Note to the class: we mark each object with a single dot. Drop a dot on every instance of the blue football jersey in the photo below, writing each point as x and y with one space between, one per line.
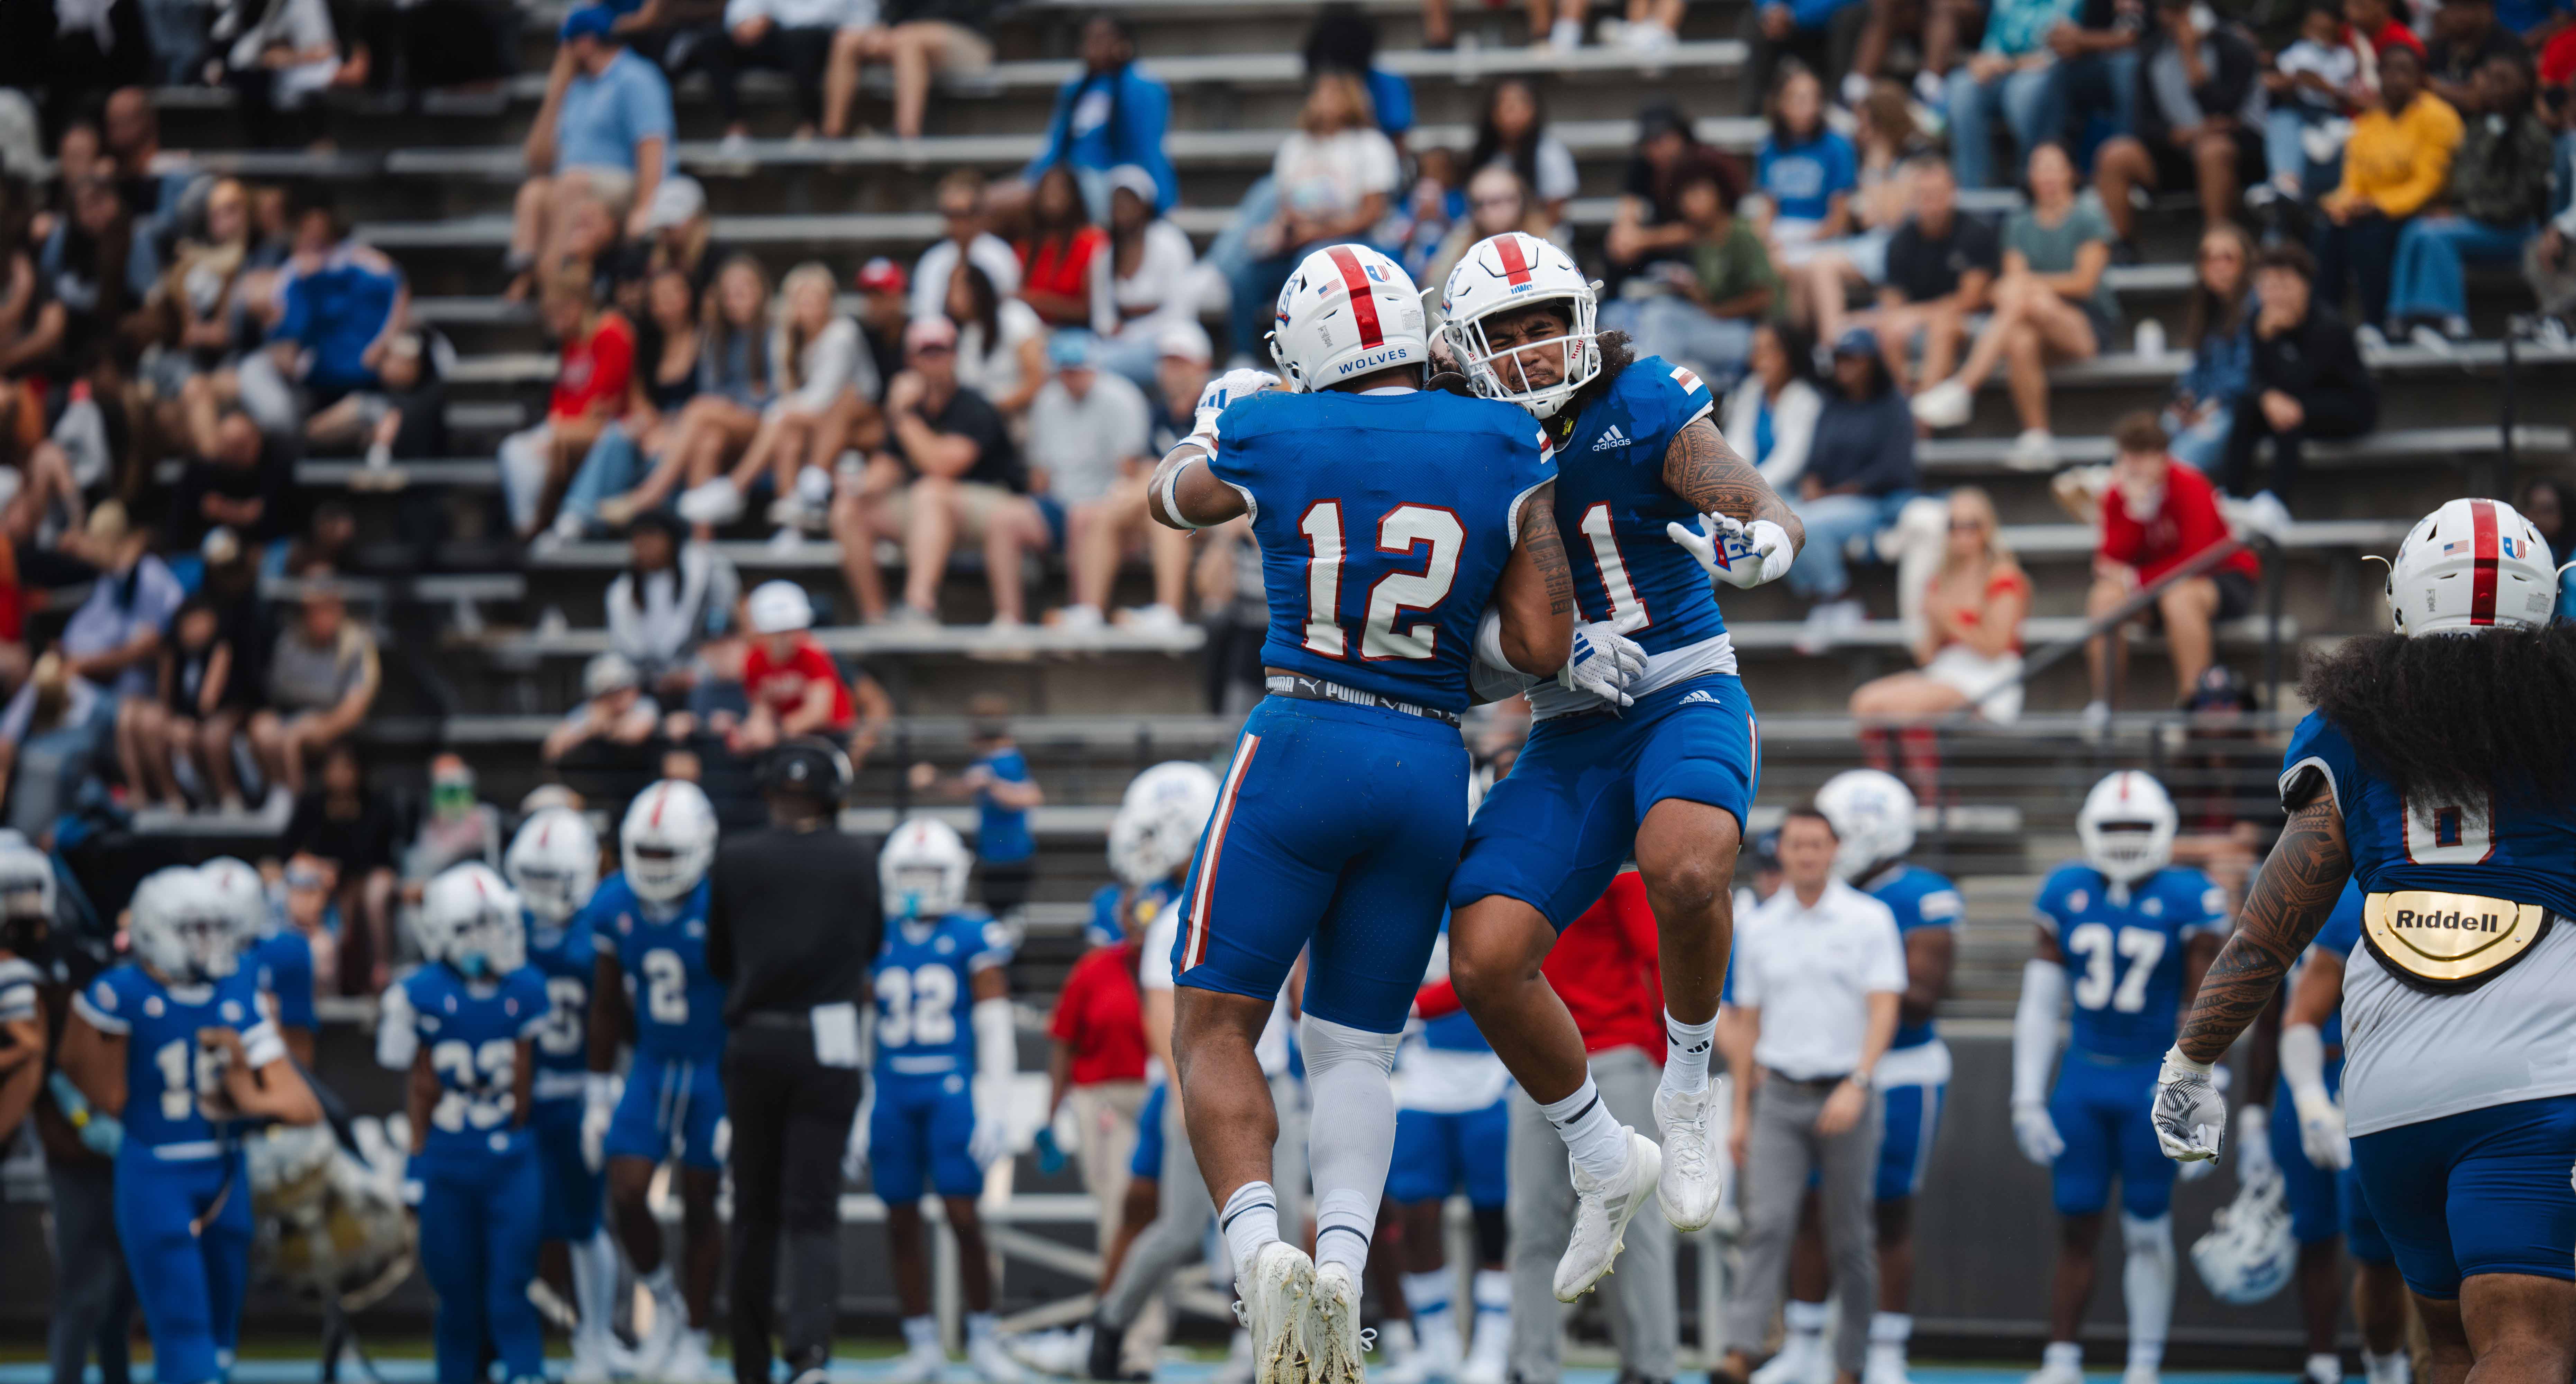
679 1007
284 962
1920 899
2124 961
471 1031
1612 505
1002 833
2509 847
923 977
166 1071
1384 522
567 958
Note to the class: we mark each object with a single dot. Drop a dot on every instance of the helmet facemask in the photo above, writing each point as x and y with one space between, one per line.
1501 373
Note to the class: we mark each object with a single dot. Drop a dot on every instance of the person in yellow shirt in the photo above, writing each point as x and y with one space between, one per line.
2397 160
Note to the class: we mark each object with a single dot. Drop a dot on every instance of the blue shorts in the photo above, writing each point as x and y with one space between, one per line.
1912 1117
920 1131
2483 1191
1554 831
572 1189
1338 826
189 1285
2361 1233
671 1106
1436 1152
2100 1107
1148 1161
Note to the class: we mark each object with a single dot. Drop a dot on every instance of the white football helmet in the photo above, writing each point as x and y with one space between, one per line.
1873 817
553 863
182 928
1507 273
26 882
2127 826
1157 828
244 893
2471 565
668 841
2248 1254
1348 310
922 871
469 918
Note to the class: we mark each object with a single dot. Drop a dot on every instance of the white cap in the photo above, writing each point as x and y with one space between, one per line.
678 198
1188 340
608 672
778 607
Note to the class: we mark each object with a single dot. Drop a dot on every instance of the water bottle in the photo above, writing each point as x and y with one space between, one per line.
2150 338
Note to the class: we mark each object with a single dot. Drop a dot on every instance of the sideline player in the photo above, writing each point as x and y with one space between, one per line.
1390 519
1666 780
939 1107
2438 770
1872 814
553 863
651 983
464 1028
279 957
2129 935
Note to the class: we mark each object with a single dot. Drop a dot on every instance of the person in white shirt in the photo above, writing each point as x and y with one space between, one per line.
1088 434
1827 957
960 198
1142 285
790 36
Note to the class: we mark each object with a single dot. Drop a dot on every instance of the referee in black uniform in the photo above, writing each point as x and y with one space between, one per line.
791 929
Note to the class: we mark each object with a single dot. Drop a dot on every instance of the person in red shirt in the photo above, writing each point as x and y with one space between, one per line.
793 686
1055 262
2158 515
591 380
1099 1064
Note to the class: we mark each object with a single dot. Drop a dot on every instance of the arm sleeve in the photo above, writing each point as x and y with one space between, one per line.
396 1037
261 1045
103 1007
997 1055
2303 1063
2043 994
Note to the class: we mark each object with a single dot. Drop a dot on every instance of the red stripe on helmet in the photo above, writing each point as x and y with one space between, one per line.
1363 303
1516 266
2482 553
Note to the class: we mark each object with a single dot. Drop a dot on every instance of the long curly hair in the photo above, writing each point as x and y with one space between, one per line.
2450 717
1616 355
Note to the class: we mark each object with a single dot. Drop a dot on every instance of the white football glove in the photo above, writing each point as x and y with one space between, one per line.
2254 1161
2189 1115
600 1091
2036 1133
2321 1135
1738 554
1224 390
991 1139
1604 659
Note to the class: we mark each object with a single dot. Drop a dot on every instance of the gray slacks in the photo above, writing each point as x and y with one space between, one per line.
1781 1149
1644 1317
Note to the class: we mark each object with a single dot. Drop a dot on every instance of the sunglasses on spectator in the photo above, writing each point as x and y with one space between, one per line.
919 351
1967 526
303 879
1507 200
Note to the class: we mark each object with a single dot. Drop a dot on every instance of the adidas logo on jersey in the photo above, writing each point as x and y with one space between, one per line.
1699 696
1610 439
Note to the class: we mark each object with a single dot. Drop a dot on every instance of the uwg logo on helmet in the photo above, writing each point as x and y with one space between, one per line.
1353 285
2469 566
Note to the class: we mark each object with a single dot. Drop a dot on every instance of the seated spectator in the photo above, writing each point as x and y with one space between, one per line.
915 38
1108 116
342 305
596 369
2544 502
2499 191
1817 34
322 677
114 638
357 831
790 36
405 417
2397 161
614 710
1886 139
2098 54
682 237
961 199
1805 171
1057 259
2312 85
278 56
1650 26
732 392
2052 304
884 306
1513 132
244 624
1941 267
1344 38
49 740
949 471
156 739
1088 458
1001 344
1647 225
1770 417
1934 27
669 342
1970 652
97 266
2203 408
1859 473
2306 380
2014 79
2465 36
1712 304
1549 26
1497 201
33 323
2371 25
2158 517
819 376
460 827
2201 125
671 597
1140 284
1333 174
604 132
794 688
234 476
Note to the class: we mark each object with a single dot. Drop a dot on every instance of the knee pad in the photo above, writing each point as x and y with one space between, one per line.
1493 1234
2151 1235
1329 1045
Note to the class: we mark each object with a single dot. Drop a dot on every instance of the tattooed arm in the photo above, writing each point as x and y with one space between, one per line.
2288 903
1536 593
1703 470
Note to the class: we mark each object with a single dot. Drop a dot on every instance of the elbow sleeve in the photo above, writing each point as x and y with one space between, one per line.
997 1055
2303 1063
2043 993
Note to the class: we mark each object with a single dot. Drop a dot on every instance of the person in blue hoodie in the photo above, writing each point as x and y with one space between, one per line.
1108 114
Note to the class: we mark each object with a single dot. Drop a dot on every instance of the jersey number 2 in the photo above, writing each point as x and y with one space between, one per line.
1404 527
666 986
2101 950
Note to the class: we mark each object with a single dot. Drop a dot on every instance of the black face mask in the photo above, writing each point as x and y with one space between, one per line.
24 933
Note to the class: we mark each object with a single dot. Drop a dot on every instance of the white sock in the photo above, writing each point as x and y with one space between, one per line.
979 1326
1493 1289
1595 1139
1346 1073
594 1282
1250 1220
2147 1283
1891 1329
1805 1322
921 1333
2063 1355
1427 1293
1686 1054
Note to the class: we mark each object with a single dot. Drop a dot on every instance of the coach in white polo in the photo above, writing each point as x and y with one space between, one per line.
1818 970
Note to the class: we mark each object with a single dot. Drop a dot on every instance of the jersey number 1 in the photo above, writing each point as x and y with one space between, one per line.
1614 568
1403 527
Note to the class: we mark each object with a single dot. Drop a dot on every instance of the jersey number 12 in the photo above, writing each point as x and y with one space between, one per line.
1402 529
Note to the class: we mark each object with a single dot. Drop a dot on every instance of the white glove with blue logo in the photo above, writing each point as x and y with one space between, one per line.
2189 1114
1224 390
600 1093
1604 660
1736 553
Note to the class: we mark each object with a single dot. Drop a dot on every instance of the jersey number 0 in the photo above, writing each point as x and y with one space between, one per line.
1400 531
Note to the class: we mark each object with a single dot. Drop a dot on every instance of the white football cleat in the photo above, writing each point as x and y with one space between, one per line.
1694 1177
991 1363
1489 1356
1802 1360
2054 1373
1885 1365
1059 1353
594 1358
2141 1374
1601 1216
656 1348
1332 1333
919 1365
1274 1295
689 1362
